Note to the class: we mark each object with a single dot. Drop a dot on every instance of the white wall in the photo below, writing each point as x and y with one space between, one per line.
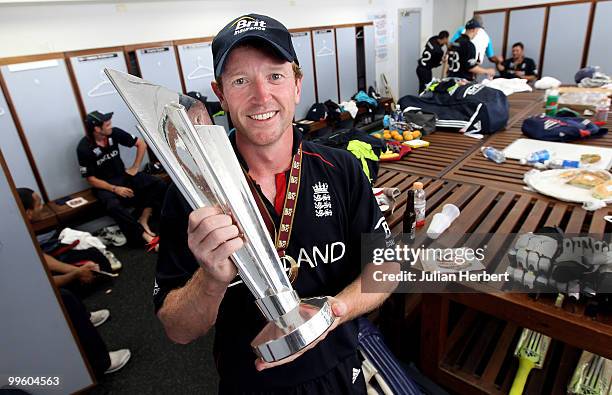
479 5
448 15
390 67
41 27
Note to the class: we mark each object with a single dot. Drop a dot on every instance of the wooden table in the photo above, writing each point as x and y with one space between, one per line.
508 175
448 149
465 360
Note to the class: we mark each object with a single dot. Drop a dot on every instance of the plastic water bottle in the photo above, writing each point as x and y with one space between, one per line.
561 164
398 115
493 154
534 157
420 203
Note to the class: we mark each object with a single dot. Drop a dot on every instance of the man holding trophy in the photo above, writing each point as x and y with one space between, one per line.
316 203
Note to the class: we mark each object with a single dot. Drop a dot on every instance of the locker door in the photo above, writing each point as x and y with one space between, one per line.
599 49
347 62
566 32
325 65
197 68
494 26
303 50
370 56
526 26
48 112
13 151
158 65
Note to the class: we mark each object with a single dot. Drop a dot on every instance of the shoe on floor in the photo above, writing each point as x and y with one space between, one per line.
118 360
115 264
99 317
112 235
116 238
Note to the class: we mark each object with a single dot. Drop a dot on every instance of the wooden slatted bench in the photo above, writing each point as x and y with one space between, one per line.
467 360
55 215
448 149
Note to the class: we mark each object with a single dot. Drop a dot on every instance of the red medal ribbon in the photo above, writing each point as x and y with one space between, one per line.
283 235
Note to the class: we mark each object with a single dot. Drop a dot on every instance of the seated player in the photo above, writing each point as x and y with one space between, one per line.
100 359
65 272
116 187
518 66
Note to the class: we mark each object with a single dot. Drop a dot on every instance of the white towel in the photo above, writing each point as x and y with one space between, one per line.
86 240
350 106
547 83
508 85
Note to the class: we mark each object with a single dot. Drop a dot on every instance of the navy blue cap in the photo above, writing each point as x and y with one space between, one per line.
472 24
96 118
252 27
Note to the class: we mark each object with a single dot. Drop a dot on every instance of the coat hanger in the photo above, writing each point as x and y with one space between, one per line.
208 71
359 34
102 88
324 51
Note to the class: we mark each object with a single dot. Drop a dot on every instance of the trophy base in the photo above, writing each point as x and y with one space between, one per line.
274 343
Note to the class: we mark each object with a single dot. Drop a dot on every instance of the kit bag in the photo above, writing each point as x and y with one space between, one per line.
424 121
470 108
561 129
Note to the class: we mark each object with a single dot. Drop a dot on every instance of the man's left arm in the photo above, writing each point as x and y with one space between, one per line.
141 149
129 140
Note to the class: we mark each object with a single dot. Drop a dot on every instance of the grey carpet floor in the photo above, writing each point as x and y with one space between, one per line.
157 366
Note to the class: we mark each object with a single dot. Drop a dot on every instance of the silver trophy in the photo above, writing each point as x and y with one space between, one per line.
200 159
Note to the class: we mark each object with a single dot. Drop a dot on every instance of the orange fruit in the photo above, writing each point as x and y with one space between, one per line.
398 137
416 134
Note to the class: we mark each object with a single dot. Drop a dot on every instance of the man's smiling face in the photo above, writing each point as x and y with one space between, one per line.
260 92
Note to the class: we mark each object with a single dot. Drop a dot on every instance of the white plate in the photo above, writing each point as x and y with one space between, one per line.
550 183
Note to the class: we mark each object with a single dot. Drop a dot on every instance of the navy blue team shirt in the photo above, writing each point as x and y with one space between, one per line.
326 244
104 163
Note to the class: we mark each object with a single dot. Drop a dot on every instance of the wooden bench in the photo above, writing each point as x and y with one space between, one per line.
475 354
55 215
314 126
59 215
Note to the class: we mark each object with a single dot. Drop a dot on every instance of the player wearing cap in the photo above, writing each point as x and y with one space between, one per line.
482 42
518 66
116 187
462 58
431 58
258 81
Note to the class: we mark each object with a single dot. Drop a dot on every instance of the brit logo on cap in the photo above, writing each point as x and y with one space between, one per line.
248 23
